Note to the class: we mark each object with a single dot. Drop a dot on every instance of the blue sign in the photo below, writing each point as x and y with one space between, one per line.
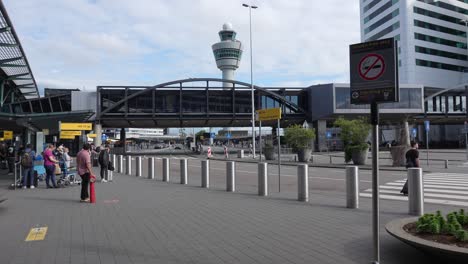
414 132
329 134
212 135
427 125
228 135
103 137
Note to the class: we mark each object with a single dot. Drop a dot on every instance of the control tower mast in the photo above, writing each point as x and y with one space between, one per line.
227 53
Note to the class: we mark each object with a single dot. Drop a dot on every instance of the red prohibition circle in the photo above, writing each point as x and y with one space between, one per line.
363 74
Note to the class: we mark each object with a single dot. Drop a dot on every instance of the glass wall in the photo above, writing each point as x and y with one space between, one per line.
220 101
142 103
109 97
194 101
410 98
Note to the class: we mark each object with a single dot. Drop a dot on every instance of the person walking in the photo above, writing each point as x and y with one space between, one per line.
226 154
412 161
104 162
83 165
27 163
49 164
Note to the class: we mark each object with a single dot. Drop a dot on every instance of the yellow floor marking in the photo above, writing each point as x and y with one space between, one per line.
37 233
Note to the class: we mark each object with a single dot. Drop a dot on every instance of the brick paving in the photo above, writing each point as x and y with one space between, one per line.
136 220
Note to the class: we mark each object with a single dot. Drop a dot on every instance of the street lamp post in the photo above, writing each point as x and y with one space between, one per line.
251 77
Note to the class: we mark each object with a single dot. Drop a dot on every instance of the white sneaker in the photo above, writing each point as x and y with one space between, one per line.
103 180
32 187
24 187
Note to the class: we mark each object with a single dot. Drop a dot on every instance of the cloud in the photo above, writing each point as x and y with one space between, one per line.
76 43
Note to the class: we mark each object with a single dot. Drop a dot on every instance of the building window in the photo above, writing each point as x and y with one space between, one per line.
382 21
436 15
385 31
371 5
440 41
441 53
227 53
438 28
447 6
380 10
438 65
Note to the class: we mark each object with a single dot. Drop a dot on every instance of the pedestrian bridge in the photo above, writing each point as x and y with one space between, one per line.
196 102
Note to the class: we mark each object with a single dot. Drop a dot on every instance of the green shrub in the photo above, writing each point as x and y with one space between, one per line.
298 137
354 134
437 224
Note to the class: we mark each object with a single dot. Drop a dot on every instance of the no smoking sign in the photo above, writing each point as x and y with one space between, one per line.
371 67
373 72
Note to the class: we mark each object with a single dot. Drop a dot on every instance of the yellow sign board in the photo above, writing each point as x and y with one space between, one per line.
70 133
37 233
76 126
66 137
269 114
92 135
7 134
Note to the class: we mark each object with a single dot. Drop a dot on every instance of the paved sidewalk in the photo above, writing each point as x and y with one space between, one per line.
137 220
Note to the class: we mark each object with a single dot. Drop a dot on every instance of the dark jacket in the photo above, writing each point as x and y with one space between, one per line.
103 158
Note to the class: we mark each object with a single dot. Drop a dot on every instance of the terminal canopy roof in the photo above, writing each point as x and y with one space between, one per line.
16 77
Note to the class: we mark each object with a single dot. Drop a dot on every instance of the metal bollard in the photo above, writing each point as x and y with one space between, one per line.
303 182
151 168
263 179
415 191
446 164
138 167
128 168
352 187
110 175
230 176
331 160
16 176
121 164
205 171
165 168
183 171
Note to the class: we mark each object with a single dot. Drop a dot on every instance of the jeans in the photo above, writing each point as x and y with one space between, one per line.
84 186
104 172
50 171
27 173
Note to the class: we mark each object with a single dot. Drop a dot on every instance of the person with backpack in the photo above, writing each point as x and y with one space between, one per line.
11 158
27 163
412 161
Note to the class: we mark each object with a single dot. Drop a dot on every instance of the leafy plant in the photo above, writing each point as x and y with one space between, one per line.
353 134
437 224
298 137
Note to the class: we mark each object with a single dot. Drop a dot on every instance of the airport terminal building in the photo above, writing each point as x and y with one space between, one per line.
212 102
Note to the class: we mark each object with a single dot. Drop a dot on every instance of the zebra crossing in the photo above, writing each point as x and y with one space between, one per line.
439 188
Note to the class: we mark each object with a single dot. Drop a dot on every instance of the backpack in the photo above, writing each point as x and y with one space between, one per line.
26 160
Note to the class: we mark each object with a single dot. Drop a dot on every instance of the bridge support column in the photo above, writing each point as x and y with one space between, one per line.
98 132
321 135
39 142
123 138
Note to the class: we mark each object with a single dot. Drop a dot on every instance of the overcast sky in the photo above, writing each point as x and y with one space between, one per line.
85 43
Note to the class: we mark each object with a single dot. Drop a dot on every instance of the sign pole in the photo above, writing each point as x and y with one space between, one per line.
279 157
260 139
375 179
427 147
466 139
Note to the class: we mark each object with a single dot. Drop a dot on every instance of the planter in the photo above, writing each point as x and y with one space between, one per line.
398 155
269 153
446 253
359 157
303 155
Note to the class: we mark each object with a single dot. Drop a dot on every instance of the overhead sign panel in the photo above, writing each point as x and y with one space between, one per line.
70 133
269 114
76 126
373 72
7 134
91 135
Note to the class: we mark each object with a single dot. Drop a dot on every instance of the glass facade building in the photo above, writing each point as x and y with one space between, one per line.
432 38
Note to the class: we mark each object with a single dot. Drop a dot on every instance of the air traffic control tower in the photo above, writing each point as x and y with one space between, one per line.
227 53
